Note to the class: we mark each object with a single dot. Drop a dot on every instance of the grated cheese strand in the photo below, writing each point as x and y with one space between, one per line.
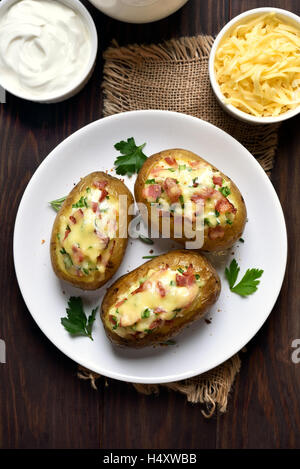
257 66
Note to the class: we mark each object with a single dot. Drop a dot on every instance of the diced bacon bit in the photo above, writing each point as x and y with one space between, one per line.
79 273
155 324
223 205
195 164
104 259
141 288
216 232
67 232
156 170
117 305
205 193
100 184
171 161
161 289
152 192
112 320
78 255
76 216
159 310
172 189
94 207
104 193
217 180
105 239
195 184
187 278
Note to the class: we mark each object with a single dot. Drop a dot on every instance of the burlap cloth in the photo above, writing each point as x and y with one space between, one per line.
174 76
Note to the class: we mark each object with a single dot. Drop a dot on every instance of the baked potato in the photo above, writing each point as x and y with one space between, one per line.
85 247
181 185
154 302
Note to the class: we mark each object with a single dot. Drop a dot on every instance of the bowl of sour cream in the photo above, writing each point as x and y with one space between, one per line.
48 48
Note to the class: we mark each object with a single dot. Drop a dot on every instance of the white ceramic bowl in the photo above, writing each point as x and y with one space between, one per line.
287 16
138 11
79 8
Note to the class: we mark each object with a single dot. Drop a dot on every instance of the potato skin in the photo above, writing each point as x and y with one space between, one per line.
209 294
232 232
115 187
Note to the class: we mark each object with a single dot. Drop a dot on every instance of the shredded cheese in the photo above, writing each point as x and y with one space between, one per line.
257 66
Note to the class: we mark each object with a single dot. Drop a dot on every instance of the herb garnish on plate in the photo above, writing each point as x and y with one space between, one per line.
76 322
249 282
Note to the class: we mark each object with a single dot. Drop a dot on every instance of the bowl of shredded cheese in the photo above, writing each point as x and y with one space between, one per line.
254 66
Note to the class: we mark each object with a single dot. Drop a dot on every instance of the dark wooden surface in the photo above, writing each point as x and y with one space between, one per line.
42 403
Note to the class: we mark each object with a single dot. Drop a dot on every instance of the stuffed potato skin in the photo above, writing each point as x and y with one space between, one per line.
205 293
98 262
218 192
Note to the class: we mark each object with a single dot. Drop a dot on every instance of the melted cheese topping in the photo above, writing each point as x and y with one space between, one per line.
192 180
87 233
147 309
258 66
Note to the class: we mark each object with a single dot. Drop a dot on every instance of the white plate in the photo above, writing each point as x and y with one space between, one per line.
234 320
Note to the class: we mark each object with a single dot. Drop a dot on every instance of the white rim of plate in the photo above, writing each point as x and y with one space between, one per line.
188 373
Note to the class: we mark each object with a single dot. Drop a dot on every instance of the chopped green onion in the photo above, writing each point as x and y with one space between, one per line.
146 313
56 204
225 191
145 239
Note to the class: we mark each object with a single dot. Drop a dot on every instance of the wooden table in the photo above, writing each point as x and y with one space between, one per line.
43 404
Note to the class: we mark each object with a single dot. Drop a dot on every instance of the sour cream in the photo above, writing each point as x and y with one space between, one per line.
45 48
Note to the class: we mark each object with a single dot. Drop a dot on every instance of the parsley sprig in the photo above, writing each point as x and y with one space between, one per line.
249 282
131 159
56 204
76 322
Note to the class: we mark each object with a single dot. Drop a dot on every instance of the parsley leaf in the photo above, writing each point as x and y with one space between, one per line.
131 159
249 282
232 273
76 322
56 204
